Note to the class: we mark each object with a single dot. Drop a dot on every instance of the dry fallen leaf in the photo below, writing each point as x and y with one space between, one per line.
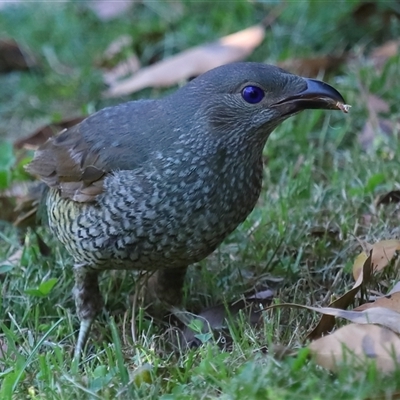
12 57
380 55
375 126
192 62
327 322
375 315
390 301
382 253
20 202
388 198
312 67
356 344
214 318
9 200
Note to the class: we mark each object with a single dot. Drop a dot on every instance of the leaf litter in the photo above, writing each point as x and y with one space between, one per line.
192 62
373 334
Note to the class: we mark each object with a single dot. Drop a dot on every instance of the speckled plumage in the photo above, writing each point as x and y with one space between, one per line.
156 217
159 184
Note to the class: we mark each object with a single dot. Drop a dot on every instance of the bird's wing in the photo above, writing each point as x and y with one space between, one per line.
116 138
68 162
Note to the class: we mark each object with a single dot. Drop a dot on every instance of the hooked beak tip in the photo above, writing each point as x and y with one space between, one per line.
317 95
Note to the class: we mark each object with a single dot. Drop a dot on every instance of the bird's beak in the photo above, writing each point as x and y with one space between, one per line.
317 95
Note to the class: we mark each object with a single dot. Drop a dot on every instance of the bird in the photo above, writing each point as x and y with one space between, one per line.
157 184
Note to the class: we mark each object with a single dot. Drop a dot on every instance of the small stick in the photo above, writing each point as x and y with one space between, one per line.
343 107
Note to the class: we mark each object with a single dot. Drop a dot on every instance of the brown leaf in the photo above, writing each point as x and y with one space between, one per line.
327 322
13 58
33 141
375 126
374 315
312 67
380 55
10 198
388 198
20 202
192 62
382 253
214 318
358 344
391 301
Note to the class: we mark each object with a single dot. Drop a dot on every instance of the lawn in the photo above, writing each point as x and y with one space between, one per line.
323 174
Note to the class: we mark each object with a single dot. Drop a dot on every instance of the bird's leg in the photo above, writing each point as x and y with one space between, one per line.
164 289
88 301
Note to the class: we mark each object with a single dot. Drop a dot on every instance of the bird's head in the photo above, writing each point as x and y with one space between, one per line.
249 100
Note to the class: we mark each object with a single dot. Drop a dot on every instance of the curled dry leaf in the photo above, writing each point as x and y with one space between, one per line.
327 322
382 253
357 344
390 301
376 315
192 62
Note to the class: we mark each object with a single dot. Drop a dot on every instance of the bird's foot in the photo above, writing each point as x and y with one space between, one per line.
163 289
88 301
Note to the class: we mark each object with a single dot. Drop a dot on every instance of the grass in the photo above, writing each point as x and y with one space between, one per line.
317 177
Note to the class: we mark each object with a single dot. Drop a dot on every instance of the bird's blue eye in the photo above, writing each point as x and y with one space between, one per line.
252 94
